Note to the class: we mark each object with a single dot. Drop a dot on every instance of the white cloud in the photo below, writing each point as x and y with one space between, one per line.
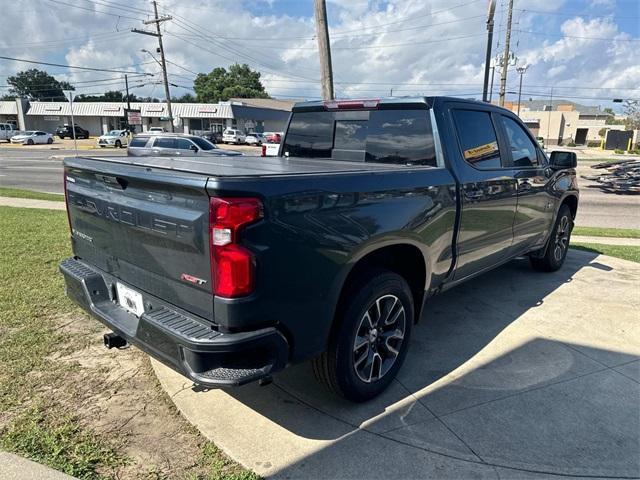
412 46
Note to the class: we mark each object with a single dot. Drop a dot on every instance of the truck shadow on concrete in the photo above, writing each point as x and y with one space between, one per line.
500 374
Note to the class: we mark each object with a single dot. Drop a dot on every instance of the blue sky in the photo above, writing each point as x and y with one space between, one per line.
582 48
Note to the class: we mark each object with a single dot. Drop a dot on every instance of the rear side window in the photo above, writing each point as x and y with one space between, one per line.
477 138
523 151
138 142
380 136
165 142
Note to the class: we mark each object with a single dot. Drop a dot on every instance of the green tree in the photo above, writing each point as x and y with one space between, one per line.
632 110
221 84
108 96
186 98
37 84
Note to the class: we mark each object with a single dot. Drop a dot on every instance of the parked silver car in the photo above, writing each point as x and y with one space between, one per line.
174 145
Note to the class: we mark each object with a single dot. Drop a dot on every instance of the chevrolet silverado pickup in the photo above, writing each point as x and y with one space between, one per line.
229 269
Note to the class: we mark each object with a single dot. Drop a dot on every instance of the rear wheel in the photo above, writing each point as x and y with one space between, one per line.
30 142
554 254
118 144
49 141
370 341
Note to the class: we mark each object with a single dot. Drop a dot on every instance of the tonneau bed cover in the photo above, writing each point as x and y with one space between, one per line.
245 166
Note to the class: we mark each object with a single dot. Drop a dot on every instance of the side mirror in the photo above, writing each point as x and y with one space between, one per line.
560 160
194 148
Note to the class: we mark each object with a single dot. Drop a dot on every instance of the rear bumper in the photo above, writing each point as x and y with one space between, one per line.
186 343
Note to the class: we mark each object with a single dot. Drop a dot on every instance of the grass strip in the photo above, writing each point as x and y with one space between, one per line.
624 252
20 193
607 232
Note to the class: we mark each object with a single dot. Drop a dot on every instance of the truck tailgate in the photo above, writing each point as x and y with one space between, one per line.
147 227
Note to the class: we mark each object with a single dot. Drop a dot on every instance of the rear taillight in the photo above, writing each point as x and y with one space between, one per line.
66 179
232 266
264 150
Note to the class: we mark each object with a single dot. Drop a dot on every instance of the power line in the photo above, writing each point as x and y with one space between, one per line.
545 34
67 66
59 2
576 14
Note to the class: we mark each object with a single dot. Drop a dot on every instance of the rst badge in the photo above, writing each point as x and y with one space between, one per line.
191 279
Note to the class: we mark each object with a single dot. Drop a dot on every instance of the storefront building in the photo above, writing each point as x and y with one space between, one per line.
248 115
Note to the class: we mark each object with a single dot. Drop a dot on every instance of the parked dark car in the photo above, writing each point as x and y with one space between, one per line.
228 271
213 137
66 132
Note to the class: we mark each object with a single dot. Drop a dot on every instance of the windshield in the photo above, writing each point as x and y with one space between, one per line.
30 132
380 136
114 133
202 143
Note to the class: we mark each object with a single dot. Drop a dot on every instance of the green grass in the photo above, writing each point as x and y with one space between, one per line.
19 193
625 252
59 442
36 420
607 232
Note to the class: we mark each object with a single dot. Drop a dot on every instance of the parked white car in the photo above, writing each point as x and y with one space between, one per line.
7 130
32 137
231 135
254 139
114 138
156 130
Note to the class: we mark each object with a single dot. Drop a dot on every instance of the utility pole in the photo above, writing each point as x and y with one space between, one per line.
322 32
126 115
521 71
158 20
505 63
487 61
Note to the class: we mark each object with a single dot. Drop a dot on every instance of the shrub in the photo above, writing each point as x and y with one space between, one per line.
571 144
617 150
593 144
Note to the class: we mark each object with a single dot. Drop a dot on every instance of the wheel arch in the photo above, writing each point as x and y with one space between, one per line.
404 258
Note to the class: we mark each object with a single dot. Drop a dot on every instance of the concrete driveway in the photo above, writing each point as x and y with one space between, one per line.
516 374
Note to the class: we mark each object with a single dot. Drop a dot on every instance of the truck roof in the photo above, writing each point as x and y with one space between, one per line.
389 102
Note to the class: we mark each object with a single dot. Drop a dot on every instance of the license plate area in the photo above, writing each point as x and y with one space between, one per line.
129 299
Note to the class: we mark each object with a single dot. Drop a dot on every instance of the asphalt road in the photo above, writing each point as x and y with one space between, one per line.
41 169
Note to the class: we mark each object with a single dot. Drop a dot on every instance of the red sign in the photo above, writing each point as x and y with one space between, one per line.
134 118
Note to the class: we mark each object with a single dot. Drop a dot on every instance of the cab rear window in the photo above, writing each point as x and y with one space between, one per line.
377 136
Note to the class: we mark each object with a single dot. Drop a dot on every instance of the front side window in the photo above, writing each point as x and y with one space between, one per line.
203 144
183 144
379 136
477 138
523 150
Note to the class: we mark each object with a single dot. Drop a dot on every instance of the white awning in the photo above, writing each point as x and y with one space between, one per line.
8 108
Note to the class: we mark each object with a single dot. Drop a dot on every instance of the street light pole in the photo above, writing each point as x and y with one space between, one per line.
487 61
521 71
73 123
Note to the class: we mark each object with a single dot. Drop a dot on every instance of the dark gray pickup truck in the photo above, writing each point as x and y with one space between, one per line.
229 269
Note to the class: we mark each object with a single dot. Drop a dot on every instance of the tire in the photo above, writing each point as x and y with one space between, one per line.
370 338
555 252
49 141
30 142
118 144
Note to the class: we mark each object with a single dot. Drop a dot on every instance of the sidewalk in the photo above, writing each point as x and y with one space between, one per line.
13 467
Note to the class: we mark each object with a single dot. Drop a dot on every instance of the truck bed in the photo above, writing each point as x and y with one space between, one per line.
245 166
